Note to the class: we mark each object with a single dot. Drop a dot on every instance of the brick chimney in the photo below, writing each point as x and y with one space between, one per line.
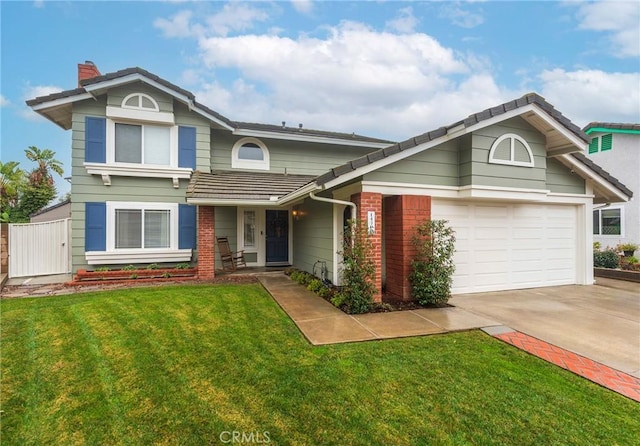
87 70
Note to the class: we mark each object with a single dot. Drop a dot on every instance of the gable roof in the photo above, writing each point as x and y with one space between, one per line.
612 127
484 118
57 108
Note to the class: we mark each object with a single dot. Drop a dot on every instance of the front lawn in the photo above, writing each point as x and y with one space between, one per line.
194 364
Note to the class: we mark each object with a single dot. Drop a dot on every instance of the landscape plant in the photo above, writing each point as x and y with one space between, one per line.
358 270
606 259
432 269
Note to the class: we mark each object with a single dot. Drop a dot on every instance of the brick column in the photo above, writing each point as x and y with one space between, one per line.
206 242
402 213
368 201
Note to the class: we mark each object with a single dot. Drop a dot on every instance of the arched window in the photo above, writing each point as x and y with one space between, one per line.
140 101
250 153
512 150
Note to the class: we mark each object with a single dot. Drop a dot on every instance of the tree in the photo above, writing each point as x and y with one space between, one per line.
12 180
22 195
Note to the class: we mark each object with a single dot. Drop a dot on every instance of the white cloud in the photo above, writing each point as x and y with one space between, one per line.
32 92
460 16
302 6
4 101
348 81
618 18
405 22
233 16
592 95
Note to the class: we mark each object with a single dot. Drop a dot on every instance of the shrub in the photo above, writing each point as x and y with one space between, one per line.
358 271
433 267
183 266
605 259
315 285
324 292
152 266
289 271
128 268
102 269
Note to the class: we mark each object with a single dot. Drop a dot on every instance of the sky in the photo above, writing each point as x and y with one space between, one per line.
387 69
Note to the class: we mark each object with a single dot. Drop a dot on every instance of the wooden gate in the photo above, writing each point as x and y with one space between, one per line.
39 249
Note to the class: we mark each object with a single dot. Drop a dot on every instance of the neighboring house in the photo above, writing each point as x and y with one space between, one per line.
157 176
616 148
57 211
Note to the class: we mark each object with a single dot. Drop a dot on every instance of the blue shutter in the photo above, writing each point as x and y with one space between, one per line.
187 147
186 226
95 140
95 227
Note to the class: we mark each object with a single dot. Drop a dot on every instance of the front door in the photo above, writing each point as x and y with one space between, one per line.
277 240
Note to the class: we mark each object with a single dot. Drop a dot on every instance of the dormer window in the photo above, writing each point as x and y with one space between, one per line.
512 150
250 153
140 101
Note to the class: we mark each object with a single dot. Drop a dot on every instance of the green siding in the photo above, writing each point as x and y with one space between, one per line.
88 188
226 225
313 236
561 180
485 174
435 166
117 94
301 158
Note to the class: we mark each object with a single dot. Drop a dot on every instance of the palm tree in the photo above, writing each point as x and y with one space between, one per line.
46 162
11 178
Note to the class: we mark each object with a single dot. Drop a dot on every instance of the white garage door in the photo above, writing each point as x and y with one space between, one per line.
510 246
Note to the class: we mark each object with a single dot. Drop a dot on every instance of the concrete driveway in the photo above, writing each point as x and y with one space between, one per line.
601 322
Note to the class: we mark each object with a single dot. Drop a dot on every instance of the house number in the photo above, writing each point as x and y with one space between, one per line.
371 222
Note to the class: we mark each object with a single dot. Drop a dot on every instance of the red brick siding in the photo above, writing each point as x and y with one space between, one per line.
87 71
206 242
402 214
368 201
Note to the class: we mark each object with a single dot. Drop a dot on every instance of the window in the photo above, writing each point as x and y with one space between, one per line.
250 153
607 221
512 150
141 226
142 144
249 229
140 101
601 143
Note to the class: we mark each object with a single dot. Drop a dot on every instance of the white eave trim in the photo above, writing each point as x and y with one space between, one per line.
61 101
309 138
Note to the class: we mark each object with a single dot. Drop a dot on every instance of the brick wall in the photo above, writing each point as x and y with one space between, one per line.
206 242
368 201
87 70
402 213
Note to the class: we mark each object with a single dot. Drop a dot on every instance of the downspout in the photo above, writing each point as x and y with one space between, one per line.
354 208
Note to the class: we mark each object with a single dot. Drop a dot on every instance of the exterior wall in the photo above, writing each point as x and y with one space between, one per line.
90 188
402 214
57 213
313 236
372 202
302 158
435 166
485 174
561 180
226 222
623 162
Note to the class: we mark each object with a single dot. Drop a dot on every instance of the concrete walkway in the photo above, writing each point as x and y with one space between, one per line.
322 323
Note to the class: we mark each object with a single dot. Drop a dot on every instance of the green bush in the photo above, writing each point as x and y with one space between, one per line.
152 266
183 266
605 259
358 272
324 291
432 269
315 285
128 268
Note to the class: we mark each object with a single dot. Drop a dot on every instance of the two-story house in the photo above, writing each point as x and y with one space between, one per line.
156 176
616 148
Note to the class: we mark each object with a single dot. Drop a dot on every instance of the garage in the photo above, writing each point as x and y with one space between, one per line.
501 246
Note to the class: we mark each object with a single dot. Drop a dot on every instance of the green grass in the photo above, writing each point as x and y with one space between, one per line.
184 364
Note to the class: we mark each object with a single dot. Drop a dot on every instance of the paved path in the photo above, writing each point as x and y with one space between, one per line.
322 323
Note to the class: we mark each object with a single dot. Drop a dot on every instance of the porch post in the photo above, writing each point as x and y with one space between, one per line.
206 242
402 214
372 202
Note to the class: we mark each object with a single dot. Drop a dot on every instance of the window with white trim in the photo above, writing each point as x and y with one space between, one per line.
142 144
512 150
140 101
250 153
141 226
608 221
